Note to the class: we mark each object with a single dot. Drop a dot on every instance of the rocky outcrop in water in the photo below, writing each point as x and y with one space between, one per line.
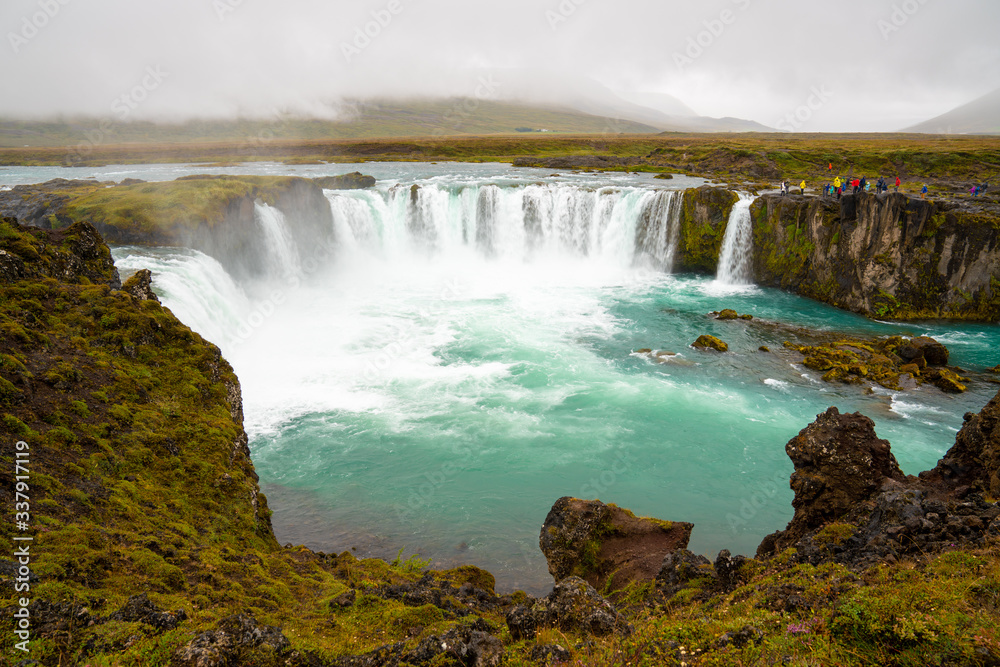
352 181
708 342
704 216
607 545
892 362
887 256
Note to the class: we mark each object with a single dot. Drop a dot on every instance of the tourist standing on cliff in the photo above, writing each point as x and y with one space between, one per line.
836 185
802 187
898 183
923 192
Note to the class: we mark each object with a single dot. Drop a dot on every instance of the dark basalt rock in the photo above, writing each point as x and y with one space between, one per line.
974 461
522 623
839 518
933 352
230 643
839 463
140 285
574 605
549 654
139 609
598 542
680 568
443 595
471 645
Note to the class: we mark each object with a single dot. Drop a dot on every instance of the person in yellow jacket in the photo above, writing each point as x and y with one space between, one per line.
802 187
836 186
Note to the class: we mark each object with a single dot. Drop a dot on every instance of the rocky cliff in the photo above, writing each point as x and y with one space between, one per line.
888 256
703 221
213 214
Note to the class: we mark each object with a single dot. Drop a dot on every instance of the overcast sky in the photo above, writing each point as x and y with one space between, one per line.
860 65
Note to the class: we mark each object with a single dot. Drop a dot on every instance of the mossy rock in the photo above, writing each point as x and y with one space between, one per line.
708 342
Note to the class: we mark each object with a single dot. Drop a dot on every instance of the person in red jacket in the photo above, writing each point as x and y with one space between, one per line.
898 182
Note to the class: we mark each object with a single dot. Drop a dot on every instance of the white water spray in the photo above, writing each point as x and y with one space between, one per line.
282 252
618 226
737 246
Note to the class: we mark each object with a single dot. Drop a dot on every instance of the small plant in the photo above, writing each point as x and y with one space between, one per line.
412 564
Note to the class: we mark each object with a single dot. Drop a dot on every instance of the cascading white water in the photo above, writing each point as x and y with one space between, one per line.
282 252
617 225
197 287
657 241
737 246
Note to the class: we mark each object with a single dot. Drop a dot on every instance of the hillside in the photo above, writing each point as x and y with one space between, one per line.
980 116
454 117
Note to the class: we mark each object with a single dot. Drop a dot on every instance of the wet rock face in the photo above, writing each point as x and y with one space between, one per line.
885 256
974 461
933 352
839 462
598 542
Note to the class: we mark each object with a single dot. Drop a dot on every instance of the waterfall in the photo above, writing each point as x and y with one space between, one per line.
282 255
620 226
737 246
197 288
659 230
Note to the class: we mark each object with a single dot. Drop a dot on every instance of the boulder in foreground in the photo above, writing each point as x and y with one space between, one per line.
605 544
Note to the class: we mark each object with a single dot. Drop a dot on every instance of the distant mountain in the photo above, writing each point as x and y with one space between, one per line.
361 120
980 116
553 90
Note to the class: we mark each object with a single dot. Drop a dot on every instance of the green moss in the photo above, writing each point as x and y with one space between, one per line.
704 215
186 203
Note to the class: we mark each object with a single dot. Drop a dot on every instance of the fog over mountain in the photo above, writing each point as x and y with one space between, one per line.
851 65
